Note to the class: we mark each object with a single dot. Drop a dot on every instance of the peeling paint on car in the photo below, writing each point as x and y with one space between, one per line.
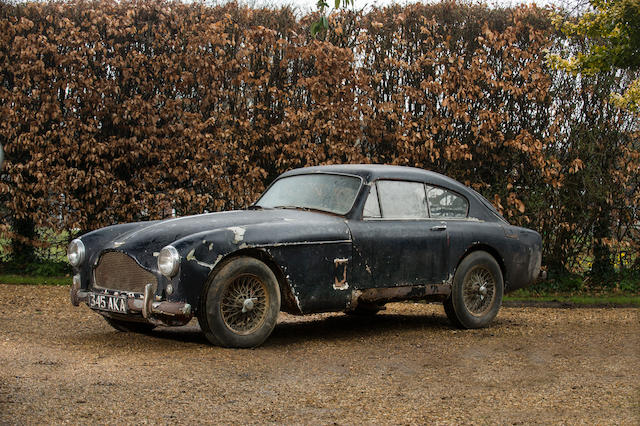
191 256
340 277
238 233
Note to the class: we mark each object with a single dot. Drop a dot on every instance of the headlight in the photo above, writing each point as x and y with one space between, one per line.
168 261
75 252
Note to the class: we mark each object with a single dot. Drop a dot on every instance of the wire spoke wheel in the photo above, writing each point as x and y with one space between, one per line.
244 303
478 290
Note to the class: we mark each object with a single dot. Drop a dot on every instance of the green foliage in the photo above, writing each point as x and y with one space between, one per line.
322 24
630 99
623 282
42 268
567 283
629 281
611 36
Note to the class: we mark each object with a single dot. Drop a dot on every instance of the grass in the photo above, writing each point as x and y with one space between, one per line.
34 280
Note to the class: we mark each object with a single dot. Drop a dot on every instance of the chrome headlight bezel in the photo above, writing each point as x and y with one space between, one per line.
76 252
168 261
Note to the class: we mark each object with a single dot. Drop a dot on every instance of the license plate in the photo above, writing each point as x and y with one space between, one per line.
107 302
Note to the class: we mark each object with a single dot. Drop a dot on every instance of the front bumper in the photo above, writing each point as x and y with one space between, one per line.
154 312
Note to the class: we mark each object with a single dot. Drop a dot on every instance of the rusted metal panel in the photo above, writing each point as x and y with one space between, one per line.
391 294
340 279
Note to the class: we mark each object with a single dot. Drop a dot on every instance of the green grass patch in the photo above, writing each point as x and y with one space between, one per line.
34 280
580 299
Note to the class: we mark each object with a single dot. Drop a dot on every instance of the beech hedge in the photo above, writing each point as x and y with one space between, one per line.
117 111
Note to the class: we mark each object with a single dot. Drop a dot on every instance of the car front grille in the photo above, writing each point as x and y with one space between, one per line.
117 271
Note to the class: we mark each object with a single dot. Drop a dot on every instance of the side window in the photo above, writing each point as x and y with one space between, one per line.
443 203
372 207
402 200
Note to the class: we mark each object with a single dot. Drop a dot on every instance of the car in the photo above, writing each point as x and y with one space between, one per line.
320 239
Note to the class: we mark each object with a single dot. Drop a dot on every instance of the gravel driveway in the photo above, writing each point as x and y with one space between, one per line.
406 365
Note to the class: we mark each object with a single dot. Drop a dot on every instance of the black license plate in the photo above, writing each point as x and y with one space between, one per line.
107 302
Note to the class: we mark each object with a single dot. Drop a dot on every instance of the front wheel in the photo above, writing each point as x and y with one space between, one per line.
476 293
240 304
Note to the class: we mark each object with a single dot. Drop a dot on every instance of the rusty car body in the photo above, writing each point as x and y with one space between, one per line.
329 238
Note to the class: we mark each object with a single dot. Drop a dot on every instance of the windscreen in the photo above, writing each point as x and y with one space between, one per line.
326 192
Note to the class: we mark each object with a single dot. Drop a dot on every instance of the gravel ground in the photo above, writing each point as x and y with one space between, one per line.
60 364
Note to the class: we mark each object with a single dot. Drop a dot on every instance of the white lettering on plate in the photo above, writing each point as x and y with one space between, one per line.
107 302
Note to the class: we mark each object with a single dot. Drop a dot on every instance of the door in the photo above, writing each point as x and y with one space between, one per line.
396 243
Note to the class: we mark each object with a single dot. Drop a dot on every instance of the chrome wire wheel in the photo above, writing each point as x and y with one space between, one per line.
244 304
478 289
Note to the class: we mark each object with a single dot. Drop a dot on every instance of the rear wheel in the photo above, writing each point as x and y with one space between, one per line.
476 293
240 304
130 326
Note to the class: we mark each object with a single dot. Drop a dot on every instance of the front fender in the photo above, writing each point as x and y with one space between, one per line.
199 255
309 264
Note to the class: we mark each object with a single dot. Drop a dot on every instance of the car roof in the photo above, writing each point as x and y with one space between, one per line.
371 172
481 207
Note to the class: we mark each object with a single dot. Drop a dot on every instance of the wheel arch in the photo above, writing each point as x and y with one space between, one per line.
287 298
493 252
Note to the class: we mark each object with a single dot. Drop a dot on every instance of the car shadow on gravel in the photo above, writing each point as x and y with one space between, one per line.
347 327
291 330
336 327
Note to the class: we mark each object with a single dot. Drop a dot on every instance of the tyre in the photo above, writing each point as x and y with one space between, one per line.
476 292
240 304
130 326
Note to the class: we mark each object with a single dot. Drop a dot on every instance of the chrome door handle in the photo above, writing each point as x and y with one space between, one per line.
441 227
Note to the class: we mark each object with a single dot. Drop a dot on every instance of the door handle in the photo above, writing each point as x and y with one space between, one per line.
441 227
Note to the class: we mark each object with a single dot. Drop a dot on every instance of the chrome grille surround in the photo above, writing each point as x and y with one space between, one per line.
118 271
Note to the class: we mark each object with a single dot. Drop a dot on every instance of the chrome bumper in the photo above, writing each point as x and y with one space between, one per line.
159 313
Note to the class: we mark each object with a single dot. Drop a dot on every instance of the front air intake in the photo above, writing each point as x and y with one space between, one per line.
118 271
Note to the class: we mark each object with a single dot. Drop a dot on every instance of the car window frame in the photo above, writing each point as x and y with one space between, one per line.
372 187
426 194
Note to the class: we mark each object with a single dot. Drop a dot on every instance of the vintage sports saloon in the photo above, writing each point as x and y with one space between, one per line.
331 238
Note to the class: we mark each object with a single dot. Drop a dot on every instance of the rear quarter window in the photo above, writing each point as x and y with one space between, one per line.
446 204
